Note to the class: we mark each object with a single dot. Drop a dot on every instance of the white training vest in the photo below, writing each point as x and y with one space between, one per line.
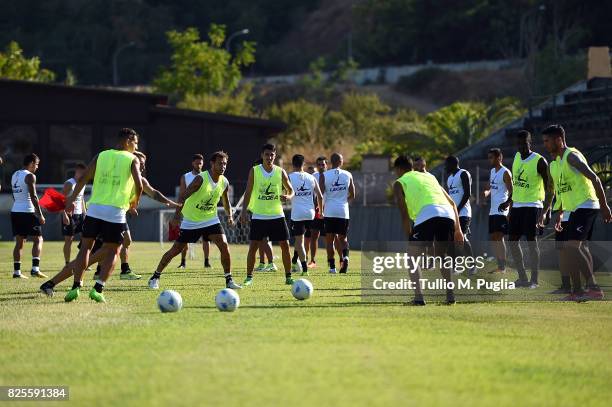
78 201
335 194
455 190
499 191
23 202
302 204
189 177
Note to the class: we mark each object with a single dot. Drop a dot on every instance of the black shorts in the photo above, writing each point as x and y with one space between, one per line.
193 235
464 222
274 229
300 227
523 221
561 236
580 224
436 229
317 224
498 223
338 226
25 224
108 232
75 226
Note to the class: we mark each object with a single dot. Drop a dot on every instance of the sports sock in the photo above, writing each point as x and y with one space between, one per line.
295 257
99 286
76 284
304 266
36 264
501 264
17 267
206 262
157 275
332 263
125 267
228 277
345 253
566 282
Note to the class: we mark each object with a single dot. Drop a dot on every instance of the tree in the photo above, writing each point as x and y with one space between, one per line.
237 103
203 67
13 65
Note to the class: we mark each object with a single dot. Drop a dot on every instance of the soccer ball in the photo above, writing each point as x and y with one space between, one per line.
169 301
302 289
227 300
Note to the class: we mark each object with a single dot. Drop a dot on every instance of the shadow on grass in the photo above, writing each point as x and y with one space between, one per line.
299 305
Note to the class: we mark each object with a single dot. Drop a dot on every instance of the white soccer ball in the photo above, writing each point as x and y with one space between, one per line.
169 301
227 300
302 289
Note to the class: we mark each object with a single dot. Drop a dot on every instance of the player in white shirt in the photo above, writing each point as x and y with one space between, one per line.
499 188
73 224
338 189
26 215
197 164
459 187
302 208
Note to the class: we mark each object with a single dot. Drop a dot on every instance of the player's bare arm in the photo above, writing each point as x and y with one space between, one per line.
228 208
466 182
156 195
549 189
400 200
30 181
585 170
289 193
247 196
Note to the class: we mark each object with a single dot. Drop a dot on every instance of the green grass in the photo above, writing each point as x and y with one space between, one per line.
332 350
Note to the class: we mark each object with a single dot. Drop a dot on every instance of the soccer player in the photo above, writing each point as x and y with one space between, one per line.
126 271
306 189
532 194
582 194
73 224
96 254
26 216
200 219
459 184
560 227
338 189
197 163
423 201
499 189
317 227
263 198
115 174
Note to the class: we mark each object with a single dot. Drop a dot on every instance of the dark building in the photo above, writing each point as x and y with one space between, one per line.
65 125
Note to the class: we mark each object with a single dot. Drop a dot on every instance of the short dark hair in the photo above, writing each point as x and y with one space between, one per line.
335 158
419 158
30 158
403 162
452 160
496 152
140 154
321 158
125 133
197 157
297 160
218 154
524 135
554 130
268 146
80 166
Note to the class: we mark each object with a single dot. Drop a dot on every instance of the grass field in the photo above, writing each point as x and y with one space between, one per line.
332 350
